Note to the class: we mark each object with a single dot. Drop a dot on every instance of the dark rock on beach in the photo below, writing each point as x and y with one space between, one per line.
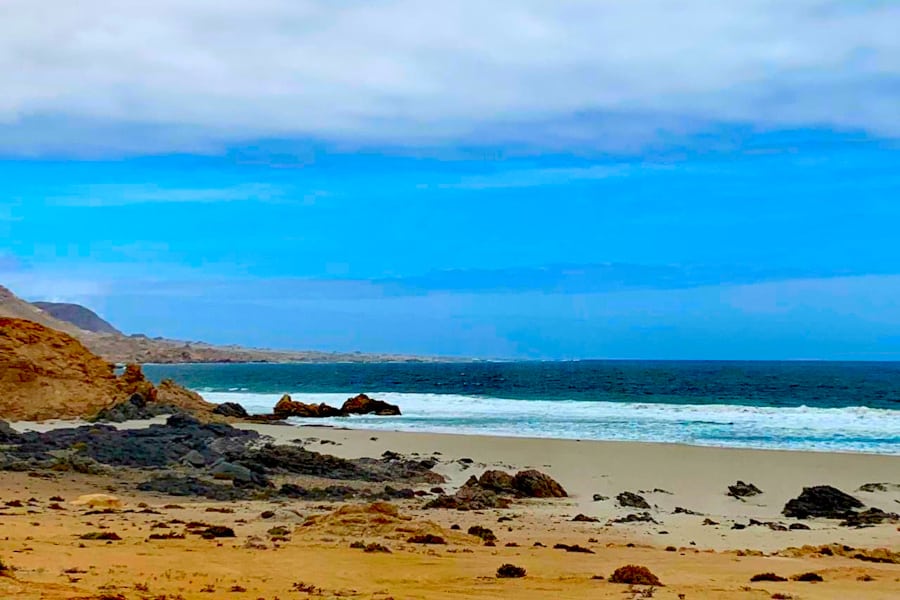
632 500
742 490
231 409
534 484
821 501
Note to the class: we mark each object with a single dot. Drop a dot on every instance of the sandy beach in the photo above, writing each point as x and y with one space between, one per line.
311 555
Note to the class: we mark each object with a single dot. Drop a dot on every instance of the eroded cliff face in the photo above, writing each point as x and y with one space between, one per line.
48 374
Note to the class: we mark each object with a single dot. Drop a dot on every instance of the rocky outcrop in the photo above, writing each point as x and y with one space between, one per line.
48 374
358 405
215 460
493 488
821 501
363 405
287 407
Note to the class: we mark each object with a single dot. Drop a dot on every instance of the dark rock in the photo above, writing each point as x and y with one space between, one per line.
191 486
799 527
331 493
880 487
739 526
743 490
631 500
869 518
7 433
136 408
286 407
576 548
821 501
684 511
771 577
534 484
194 459
708 521
482 532
580 518
808 577
427 538
216 531
363 405
231 409
500 482
600 498
633 518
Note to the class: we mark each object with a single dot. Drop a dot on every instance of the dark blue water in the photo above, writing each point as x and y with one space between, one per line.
774 384
852 407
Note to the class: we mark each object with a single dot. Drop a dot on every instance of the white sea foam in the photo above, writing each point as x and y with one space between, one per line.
854 429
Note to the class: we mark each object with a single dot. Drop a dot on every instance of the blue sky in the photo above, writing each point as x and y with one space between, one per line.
581 179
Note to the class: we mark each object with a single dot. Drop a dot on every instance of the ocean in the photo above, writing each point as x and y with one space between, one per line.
822 406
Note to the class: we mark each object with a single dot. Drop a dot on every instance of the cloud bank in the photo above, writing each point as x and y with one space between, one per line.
137 77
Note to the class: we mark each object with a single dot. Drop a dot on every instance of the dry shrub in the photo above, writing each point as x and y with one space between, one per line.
509 571
635 575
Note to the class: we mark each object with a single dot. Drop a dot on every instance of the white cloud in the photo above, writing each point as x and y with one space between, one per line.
190 75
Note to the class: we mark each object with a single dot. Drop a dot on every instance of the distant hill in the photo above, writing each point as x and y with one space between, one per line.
13 307
106 341
79 316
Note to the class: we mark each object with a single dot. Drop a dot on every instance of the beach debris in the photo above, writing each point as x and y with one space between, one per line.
98 501
821 501
771 577
632 500
809 577
508 571
656 491
741 490
635 575
600 497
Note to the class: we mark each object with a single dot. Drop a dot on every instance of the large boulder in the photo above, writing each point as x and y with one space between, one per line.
287 407
821 501
534 484
497 481
363 405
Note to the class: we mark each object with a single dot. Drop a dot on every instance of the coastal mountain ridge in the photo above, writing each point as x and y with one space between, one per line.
78 315
114 346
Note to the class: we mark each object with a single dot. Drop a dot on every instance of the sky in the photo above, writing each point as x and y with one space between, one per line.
538 180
